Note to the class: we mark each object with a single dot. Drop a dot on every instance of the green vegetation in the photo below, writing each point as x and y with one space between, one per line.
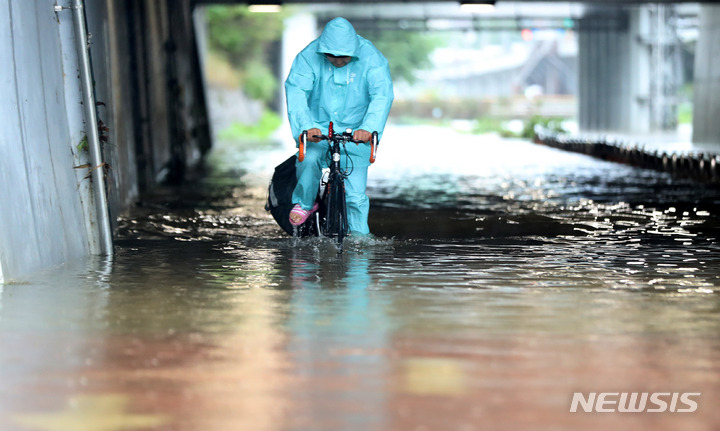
550 123
685 113
240 44
260 84
269 122
685 107
506 129
83 145
244 40
407 51
240 34
488 125
502 126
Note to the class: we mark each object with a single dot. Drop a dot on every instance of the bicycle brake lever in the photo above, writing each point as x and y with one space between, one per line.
374 142
301 148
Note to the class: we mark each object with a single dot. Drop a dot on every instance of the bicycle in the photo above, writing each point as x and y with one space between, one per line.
331 199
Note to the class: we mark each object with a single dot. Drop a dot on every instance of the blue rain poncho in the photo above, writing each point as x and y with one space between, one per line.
356 96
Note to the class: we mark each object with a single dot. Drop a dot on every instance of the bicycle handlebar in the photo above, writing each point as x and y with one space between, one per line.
339 137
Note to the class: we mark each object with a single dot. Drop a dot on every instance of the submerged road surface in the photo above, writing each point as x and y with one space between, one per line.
508 284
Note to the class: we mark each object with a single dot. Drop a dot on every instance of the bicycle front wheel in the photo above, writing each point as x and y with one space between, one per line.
336 217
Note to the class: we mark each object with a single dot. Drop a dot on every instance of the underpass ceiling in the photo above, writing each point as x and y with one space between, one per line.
579 2
416 14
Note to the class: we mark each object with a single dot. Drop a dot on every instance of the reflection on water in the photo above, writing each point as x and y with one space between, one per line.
503 278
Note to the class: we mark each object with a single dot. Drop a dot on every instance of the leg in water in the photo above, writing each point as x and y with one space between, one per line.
317 223
296 235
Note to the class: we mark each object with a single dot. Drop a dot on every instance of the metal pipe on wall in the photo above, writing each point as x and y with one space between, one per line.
91 121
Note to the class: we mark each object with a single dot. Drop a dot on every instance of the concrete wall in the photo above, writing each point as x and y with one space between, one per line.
706 97
147 83
107 23
46 214
147 74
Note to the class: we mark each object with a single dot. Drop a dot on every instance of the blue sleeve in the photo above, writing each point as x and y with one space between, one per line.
380 89
298 87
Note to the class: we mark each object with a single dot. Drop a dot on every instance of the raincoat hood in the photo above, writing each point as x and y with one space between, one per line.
338 38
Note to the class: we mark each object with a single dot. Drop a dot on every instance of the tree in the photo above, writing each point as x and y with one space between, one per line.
242 35
245 40
407 51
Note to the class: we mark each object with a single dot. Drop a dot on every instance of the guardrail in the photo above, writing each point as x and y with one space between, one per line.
697 166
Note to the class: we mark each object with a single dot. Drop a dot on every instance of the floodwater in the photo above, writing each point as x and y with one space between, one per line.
504 277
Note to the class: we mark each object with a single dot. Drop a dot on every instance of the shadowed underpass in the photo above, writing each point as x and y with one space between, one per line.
503 279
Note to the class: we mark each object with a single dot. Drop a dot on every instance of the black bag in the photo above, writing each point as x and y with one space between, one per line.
279 201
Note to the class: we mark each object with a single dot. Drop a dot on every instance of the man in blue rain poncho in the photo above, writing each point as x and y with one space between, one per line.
339 77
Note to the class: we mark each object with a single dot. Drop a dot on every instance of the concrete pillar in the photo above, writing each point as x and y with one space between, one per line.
626 63
636 72
706 89
606 87
300 30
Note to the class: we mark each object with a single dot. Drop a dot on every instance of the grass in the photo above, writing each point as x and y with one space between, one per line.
269 122
685 113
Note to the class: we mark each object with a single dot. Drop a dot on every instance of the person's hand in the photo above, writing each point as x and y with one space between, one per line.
311 135
362 135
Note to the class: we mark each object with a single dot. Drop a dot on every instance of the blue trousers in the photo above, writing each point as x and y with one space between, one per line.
309 173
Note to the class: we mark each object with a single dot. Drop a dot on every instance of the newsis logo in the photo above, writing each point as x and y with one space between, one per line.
635 402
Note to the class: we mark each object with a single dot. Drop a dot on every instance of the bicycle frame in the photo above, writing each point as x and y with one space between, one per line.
336 224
